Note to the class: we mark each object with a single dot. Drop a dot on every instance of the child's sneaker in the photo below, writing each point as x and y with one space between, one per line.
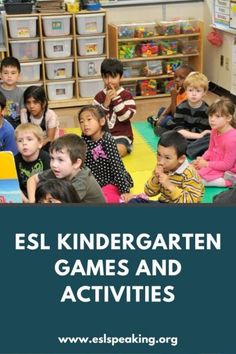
230 176
151 120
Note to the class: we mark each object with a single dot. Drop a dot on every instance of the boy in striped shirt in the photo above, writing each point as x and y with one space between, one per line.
174 180
118 105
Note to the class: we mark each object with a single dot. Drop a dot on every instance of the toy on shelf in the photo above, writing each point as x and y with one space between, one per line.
168 47
168 85
189 46
126 31
169 28
145 30
171 65
188 27
148 49
148 87
127 51
153 67
130 87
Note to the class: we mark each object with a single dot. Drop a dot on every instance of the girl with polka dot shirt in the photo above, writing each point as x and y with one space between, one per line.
102 155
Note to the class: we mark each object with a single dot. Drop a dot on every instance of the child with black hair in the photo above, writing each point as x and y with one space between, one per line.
10 72
177 95
7 137
118 105
54 191
102 155
173 180
37 112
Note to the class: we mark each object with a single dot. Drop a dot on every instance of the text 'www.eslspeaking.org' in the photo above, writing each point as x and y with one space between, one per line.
112 340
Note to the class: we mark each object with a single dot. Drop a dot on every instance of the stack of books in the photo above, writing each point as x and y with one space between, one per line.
50 6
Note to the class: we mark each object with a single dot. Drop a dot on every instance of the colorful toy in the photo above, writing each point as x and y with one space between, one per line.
171 65
168 47
148 87
149 49
142 32
189 27
126 51
126 31
169 85
169 28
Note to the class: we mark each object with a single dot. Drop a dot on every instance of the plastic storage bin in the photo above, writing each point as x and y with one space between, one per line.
189 46
131 87
89 88
61 90
91 45
90 23
57 47
145 30
188 27
59 69
90 66
30 71
25 49
25 86
169 28
168 47
126 30
22 27
54 26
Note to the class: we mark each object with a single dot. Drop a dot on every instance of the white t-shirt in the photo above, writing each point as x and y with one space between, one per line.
51 120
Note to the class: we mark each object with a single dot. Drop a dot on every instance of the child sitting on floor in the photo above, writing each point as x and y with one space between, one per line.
102 154
118 104
37 112
30 159
67 162
217 166
191 116
173 180
177 95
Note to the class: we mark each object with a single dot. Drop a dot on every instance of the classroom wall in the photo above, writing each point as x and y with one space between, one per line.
154 12
220 75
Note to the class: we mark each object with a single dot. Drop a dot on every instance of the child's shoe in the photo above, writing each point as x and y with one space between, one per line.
152 120
231 177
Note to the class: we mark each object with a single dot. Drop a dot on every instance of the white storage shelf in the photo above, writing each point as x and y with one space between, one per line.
62 52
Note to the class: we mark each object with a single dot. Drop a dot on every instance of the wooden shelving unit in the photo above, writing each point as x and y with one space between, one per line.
193 59
77 100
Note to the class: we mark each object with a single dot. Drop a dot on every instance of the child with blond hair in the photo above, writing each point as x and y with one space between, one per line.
191 116
30 159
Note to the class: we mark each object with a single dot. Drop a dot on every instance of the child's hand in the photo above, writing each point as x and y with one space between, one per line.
205 132
111 94
200 163
164 179
126 197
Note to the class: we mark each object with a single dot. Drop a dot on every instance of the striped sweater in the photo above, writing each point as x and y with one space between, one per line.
188 186
119 113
